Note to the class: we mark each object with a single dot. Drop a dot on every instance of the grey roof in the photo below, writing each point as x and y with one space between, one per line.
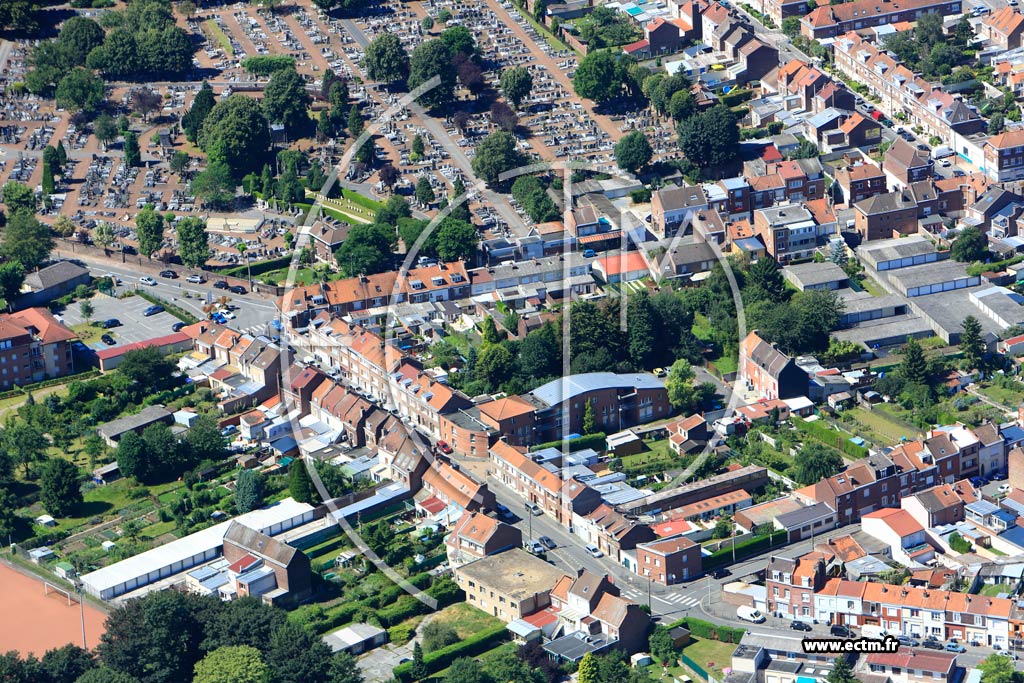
786 214
928 274
906 154
573 646
555 391
685 196
982 507
884 203
800 517
143 418
892 249
809 274
58 273
259 544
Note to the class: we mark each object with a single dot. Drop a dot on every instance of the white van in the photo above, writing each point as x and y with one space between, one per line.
877 632
749 614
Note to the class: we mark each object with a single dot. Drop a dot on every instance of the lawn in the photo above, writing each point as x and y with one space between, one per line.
873 288
1009 392
710 654
995 589
88 333
883 429
659 454
219 35
465 619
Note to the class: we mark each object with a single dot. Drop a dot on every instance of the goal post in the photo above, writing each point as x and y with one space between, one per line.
49 588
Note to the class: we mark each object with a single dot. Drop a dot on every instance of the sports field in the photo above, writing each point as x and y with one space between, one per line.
36 622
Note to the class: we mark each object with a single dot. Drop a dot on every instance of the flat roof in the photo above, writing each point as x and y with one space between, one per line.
928 274
810 274
183 549
948 309
555 391
881 330
901 247
872 303
516 573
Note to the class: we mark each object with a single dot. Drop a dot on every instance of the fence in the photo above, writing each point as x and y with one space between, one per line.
695 667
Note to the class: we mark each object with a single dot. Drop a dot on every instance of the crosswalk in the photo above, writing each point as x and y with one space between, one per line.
684 601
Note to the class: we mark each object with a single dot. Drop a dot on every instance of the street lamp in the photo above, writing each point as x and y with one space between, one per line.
529 517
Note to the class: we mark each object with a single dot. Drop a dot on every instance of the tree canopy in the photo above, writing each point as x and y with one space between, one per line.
385 59
711 138
429 59
286 101
516 84
496 154
633 151
236 132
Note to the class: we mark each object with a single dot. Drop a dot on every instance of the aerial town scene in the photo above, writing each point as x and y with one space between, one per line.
511 341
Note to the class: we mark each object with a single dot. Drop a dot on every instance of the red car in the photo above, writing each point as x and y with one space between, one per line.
444 447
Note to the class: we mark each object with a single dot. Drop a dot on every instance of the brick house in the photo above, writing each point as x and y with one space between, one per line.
860 181
34 346
828 21
669 561
476 535
768 371
905 164
936 506
885 216
790 585
1003 28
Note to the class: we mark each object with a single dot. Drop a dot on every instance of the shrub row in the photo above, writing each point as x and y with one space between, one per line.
595 441
264 65
709 630
476 644
177 311
829 437
243 271
744 549
359 199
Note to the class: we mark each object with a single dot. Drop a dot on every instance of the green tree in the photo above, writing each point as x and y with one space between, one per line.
970 245
366 251
105 130
596 78
248 491
437 635
132 457
496 154
454 240
516 84
236 132
791 26
914 367
589 420
26 240
149 229
86 309
660 645
466 670
80 91
710 138
286 101
60 490
215 186
343 669
764 281
633 151
9 520
997 668
193 247
192 121
841 672
424 191
385 59
495 365
48 182
79 35
419 668
180 162
300 486
19 198
679 384
681 105
103 234
236 663
205 440
459 40
588 669
296 655
971 343
429 59
103 674
12 276
815 462
132 155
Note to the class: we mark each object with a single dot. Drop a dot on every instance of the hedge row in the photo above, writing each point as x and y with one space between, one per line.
66 379
744 549
595 441
264 65
476 644
362 201
709 630
389 605
259 268
830 437
177 311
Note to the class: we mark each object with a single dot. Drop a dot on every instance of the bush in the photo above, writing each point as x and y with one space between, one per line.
594 441
829 437
264 65
709 630
746 548
470 647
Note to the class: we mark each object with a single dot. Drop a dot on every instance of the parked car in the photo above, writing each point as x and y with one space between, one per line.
908 641
534 509
720 573
589 253
113 278
109 323
504 511
841 631
800 626
176 327
998 475
147 280
750 614
195 279
108 340
218 318
230 429
237 289
978 481
660 372
153 310
548 543
955 647
221 284
444 447
1007 653
535 547
932 644
1005 488
170 274
593 550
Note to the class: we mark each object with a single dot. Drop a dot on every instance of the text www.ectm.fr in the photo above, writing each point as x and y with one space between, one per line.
840 646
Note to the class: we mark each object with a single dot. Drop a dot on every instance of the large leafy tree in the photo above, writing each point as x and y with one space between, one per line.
496 154
286 101
26 240
192 121
454 240
248 491
682 394
971 343
205 440
232 664
366 251
516 84
429 59
12 276
60 489
149 229
193 247
815 462
133 458
19 197
78 36
80 91
236 132
245 621
633 151
215 186
970 245
386 60
103 674
710 138
297 656
596 77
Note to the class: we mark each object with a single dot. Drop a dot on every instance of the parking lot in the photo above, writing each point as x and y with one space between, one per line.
134 327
